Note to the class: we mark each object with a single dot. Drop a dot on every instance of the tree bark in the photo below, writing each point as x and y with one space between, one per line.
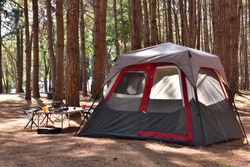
184 26
159 38
103 51
1 67
198 32
247 23
192 24
234 22
28 52
99 59
205 27
123 29
35 50
131 25
19 62
136 24
72 68
84 61
221 44
59 82
165 22
170 24
117 46
146 24
153 29
177 29
50 45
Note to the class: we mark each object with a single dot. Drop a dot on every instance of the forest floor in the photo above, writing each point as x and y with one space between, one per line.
20 147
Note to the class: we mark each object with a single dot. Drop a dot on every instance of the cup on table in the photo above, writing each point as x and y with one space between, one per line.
45 109
83 106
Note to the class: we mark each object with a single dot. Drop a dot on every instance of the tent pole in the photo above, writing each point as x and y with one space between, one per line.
199 115
91 107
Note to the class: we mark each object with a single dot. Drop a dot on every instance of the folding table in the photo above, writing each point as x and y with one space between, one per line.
31 113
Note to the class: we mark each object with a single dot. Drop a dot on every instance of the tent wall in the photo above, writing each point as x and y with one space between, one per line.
218 118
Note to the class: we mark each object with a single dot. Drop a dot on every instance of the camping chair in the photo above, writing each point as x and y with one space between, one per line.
30 113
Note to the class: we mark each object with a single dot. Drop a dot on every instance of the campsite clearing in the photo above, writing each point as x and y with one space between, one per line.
21 147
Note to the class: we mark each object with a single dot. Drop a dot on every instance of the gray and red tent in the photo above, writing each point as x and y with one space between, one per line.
166 92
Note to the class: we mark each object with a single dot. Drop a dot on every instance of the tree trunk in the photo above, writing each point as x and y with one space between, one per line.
35 50
1 67
177 29
165 18
159 38
46 71
131 25
103 51
192 24
123 29
136 24
198 32
146 24
205 28
117 46
52 59
221 44
84 61
72 68
153 29
59 82
28 52
19 62
99 59
184 26
242 50
234 23
247 24
170 24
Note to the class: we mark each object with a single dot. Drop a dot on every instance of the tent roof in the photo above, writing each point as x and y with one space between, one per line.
187 59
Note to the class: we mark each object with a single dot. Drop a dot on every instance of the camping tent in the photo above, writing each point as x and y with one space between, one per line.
166 92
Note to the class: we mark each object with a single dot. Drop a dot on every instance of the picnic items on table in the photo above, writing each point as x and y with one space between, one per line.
50 113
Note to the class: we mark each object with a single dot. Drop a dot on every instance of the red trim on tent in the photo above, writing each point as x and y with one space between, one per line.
187 107
147 89
189 136
162 135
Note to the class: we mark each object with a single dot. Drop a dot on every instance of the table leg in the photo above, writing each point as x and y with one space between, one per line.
38 118
69 119
62 122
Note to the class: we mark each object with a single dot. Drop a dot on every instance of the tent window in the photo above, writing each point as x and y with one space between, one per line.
210 93
166 96
132 83
128 93
166 84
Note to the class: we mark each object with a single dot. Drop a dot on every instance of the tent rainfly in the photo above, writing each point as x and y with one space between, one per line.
166 92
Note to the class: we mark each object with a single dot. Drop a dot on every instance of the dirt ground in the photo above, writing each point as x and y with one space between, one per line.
25 148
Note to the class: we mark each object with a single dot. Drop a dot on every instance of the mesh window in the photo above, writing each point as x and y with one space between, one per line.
208 88
166 96
132 83
166 84
210 93
128 93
